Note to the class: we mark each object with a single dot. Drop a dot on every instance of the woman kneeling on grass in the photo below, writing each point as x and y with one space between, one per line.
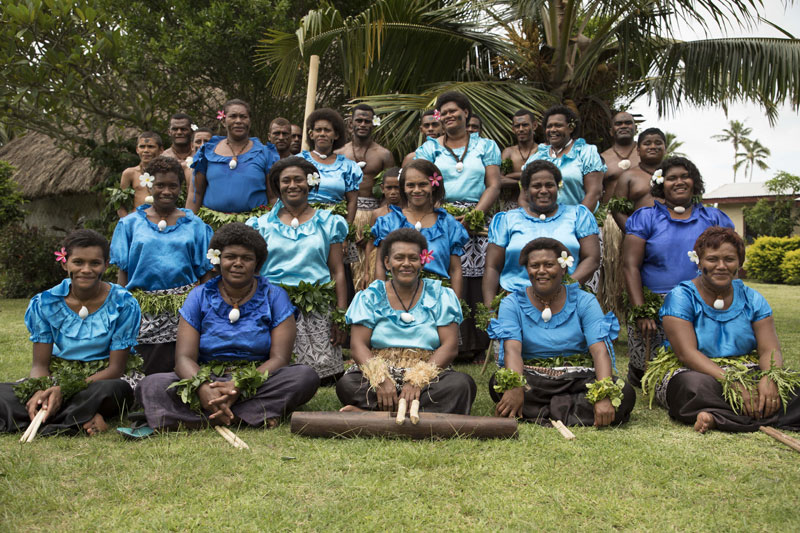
235 339
82 331
721 366
556 348
404 336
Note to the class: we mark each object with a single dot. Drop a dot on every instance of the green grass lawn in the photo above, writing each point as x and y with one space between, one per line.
652 474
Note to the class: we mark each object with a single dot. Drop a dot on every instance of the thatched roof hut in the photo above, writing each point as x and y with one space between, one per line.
45 170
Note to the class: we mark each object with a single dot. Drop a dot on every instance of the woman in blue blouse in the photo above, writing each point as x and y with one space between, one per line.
160 250
544 215
404 337
305 247
579 162
548 333
421 190
82 331
230 172
655 248
716 316
235 319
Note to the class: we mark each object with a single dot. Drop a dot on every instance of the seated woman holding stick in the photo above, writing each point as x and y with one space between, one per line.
721 366
82 331
235 340
556 353
404 336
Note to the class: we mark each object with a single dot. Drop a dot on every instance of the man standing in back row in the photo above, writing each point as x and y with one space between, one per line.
622 155
524 125
280 135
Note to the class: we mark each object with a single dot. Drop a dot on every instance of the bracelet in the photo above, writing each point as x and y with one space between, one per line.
247 379
376 371
421 374
507 379
606 388
187 388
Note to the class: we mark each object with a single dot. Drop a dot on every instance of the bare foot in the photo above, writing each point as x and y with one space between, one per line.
96 425
349 408
271 423
704 422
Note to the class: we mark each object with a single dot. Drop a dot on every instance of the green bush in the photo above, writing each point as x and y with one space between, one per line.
765 255
790 267
11 200
27 262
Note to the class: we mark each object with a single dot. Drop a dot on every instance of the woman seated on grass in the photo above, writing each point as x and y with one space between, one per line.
404 336
235 339
555 346
82 331
721 366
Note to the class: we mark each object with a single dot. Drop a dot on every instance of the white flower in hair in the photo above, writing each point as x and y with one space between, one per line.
658 177
625 164
194 127
376 120
313 179
565 261
693 257
146 180
213 256
189 161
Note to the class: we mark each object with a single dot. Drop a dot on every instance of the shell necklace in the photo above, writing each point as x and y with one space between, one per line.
680 209
234 314
418 223
624 162
325 156
543 214
235 161
719 303
459 160
526 157
83 312
361 161
557 153
547 313
295 221
406 317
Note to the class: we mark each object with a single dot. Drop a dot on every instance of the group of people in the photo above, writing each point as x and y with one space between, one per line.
242 322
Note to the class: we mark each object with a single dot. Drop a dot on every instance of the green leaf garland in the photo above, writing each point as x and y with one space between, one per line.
506 379
606 388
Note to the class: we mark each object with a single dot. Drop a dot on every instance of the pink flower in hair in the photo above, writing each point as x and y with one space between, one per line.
435 180
437 116
221 115
426 257
61 255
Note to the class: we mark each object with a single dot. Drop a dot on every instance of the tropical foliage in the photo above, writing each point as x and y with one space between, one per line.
753 155
736 133
777 217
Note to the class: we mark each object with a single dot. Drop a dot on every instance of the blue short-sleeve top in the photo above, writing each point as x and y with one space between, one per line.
156 260
340 177
241 189
571 331
514 229
301 253
720 333
574 165
445 238
114 326
668 241
249 337
469 184
438 306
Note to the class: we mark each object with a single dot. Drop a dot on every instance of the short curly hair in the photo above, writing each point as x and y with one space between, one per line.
85 238
538 165
408 235
164 165
240 234
542 243
460 99
572 118
235 101
657 189
336 121
713 237
428 169
274 176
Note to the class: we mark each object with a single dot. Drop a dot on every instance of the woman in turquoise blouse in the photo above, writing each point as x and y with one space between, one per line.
556 344
716 327
82 332
404 337
305 248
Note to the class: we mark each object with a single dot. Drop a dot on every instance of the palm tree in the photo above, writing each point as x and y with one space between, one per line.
737 133
672 146
753 155
397 55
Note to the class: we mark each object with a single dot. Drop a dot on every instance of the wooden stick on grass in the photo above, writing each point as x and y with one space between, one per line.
231 437
33 428
564 430
401 412
782 437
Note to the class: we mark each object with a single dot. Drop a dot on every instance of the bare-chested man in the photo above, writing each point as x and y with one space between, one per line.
524 125
280 135
200 136
622 155
180 133
390 187
430 126
297 140
634 184
475 125
148 146
373 159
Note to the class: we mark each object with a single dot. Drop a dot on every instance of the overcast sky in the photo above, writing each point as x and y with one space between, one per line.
695 126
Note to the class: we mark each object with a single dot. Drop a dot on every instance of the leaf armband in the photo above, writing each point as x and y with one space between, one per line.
621 205
247 379
649 309
606 388
507 166
506 379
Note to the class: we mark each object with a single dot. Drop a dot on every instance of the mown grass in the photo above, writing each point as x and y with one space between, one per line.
653 474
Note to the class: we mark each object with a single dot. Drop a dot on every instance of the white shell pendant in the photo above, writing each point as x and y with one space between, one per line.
162 224
83 313
148 199
459 166
542 216
362 164
233 316
418 226
679 209
624 164
294 223
547 314
719 303
406 317
232 165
